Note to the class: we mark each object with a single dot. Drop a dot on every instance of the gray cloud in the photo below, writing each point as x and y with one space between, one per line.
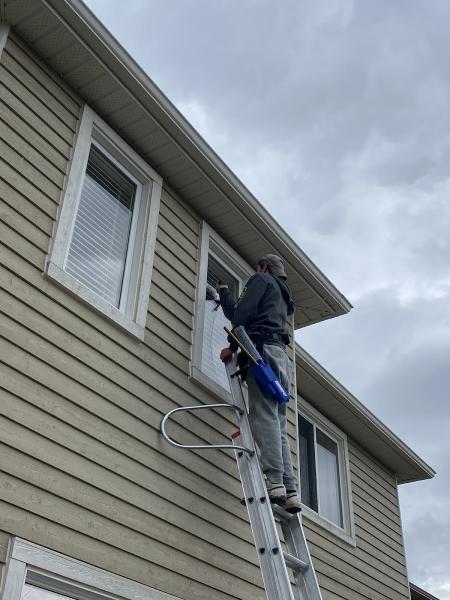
335 114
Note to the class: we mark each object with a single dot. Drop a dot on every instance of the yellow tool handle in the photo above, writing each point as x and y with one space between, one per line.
231 334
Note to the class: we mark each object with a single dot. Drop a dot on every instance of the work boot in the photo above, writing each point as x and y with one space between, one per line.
276 492
292 504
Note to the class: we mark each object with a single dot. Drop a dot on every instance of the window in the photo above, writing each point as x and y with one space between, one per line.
324 479
36 573
218 262
98 249
103 245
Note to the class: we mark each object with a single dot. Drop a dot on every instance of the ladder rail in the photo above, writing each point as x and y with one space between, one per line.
274 561
268 546
167 437
297 545
265 535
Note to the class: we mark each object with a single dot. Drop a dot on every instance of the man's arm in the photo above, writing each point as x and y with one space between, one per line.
243 309
227 302
247 304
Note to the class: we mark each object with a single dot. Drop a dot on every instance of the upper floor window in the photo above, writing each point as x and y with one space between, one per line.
103 244
214 320
218 262
100 245
324 476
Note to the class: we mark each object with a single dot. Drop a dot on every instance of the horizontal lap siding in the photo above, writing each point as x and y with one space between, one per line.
375 568
84 468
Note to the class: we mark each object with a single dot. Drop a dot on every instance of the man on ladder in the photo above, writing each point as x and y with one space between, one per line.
259 319
262 309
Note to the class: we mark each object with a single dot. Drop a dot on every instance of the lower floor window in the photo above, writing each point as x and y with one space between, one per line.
328 479
323 472
36 573
31 592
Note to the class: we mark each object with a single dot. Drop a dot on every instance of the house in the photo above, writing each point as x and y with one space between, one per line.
115 215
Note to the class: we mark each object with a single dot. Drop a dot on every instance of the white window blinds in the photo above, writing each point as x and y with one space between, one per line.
214 336
98 249
328 479
319 472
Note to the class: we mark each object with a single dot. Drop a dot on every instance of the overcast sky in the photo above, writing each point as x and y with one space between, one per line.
336 115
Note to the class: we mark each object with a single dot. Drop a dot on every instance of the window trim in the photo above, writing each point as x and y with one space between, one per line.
347 532
30 563
4 32
93 129
212 242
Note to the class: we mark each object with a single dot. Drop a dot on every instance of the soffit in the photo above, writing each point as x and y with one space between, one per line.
418 593
331 399
77 47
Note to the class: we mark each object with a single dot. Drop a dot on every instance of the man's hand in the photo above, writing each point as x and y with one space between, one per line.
220 285
226 355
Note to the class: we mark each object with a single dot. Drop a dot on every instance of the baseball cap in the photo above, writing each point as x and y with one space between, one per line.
275 264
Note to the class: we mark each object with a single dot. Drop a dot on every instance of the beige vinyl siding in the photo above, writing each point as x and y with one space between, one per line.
375 568
84 468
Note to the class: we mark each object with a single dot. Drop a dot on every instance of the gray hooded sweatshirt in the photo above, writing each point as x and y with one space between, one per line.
262 307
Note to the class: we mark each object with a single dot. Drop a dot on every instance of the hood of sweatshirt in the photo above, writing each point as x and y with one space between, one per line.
286 293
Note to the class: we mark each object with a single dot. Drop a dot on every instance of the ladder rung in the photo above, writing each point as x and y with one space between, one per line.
282 514
294 563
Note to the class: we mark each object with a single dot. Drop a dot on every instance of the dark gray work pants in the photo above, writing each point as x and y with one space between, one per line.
268 420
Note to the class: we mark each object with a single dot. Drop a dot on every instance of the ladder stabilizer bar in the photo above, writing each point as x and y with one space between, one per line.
205 446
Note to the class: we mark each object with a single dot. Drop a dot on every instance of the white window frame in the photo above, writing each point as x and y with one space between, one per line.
347 532
212 243
33 564
132 312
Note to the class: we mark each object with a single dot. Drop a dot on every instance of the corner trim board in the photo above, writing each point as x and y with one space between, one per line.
4 32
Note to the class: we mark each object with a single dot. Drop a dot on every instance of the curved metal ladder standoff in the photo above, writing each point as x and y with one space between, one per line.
166 436
274 562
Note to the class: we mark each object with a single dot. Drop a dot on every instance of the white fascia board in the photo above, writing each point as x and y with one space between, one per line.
422 593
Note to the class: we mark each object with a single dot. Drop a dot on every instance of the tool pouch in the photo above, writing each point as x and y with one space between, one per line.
242 365
268 381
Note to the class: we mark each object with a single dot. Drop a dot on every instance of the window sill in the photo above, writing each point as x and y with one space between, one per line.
330 527
83 293
210 385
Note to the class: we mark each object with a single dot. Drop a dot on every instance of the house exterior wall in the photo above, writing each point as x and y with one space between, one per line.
85 470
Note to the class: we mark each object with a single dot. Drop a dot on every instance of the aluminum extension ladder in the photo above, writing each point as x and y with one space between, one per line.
275 564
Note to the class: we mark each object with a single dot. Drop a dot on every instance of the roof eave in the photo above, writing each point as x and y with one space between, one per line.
103 45
419 593
359 422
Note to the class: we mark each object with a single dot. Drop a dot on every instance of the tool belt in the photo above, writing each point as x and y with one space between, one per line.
259 339
277 339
